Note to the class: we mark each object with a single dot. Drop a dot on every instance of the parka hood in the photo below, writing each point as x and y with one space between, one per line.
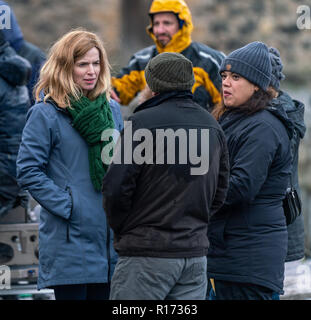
13 68
182 39
293 109
282 116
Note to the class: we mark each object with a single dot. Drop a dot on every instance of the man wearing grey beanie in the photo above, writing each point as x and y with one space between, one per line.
295 111
159 208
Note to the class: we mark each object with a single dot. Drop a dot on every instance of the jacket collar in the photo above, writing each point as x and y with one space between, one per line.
54 104
162 97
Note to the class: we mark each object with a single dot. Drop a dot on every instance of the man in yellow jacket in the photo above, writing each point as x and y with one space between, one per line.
170 28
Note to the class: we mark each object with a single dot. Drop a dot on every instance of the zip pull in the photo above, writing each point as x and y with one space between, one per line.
68 240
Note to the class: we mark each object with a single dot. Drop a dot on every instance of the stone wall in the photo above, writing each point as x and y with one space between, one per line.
222 24
227 25
44 21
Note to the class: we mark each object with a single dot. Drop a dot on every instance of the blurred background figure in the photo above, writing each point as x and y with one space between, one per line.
170 29
14 104
27 50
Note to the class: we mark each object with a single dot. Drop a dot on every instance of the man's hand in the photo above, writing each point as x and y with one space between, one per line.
114 96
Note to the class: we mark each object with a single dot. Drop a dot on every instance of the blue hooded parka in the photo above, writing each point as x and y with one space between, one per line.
75 241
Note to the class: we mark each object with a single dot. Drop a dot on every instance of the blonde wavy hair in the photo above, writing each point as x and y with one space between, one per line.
56 76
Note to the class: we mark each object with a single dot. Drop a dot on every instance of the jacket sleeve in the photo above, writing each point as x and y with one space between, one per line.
206 90
223 178
253 156
131 79
119 185
39 136
206 64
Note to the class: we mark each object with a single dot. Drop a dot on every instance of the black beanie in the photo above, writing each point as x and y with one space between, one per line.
169 71
252 62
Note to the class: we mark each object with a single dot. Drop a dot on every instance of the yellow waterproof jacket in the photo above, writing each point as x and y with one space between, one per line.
206 61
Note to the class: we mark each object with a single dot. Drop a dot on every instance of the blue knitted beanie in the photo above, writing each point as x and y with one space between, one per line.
277 67
252 62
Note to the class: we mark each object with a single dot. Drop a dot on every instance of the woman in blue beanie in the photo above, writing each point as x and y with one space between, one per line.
248 235
295 111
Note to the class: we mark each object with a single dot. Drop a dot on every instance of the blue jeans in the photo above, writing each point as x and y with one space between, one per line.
92 291
227 290
148 278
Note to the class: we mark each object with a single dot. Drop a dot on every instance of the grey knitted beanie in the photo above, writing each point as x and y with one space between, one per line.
169 71
277 67
251 62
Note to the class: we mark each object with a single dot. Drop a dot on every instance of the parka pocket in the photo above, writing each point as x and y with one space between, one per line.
74 218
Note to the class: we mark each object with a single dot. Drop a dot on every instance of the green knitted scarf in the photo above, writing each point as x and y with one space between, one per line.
90 119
